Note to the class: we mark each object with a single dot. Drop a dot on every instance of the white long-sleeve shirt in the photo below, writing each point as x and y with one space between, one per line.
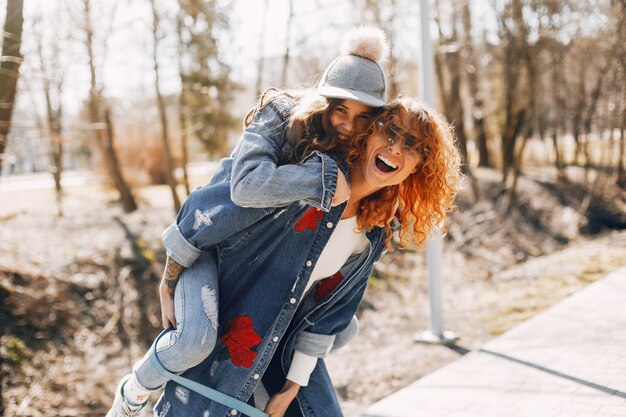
343 242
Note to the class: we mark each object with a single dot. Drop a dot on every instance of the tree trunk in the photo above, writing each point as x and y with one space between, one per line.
56 142
578 114
261 64
558 110
99 113
182 105
515 113
285 71
10 69
454 100
621 174
477 110
167 165
107 138
375 9
511 191
54 113
392 82
592 108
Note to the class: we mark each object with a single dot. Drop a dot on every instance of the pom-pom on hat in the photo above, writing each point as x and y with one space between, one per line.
356 74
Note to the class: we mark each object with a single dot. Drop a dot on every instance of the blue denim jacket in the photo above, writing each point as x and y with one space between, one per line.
266 255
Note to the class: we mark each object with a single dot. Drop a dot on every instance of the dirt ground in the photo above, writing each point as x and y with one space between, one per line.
79 300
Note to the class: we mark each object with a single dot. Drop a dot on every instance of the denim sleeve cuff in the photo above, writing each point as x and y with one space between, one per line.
329 179
313 344
178 248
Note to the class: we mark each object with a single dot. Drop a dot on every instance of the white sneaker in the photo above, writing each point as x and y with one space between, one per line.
121 408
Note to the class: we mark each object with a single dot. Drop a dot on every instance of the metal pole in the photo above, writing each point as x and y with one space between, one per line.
436 333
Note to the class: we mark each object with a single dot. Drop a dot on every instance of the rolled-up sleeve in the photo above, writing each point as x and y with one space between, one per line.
314 344
178 248
261 179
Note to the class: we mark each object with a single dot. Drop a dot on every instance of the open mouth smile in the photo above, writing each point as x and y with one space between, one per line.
384 164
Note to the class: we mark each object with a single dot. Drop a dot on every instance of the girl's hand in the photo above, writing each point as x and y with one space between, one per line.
278 404
166 294
171 275
342 192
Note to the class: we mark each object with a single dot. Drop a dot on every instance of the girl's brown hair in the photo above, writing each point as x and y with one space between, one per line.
423 199
309 127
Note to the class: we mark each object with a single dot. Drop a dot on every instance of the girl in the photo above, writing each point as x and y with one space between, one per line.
351 87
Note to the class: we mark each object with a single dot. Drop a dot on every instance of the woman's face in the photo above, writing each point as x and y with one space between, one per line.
350 116
390 156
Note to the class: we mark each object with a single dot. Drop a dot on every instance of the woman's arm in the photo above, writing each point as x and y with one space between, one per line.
260 178
278 404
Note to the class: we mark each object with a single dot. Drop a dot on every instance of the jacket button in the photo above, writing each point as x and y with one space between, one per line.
293 300
233 412
256 376
329 225
309 263
275 339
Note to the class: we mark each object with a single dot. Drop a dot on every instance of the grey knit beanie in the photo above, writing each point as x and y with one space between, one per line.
356 74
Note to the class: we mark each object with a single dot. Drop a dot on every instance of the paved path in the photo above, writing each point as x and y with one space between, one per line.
569 361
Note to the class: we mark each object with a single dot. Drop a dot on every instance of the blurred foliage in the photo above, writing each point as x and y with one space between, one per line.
207 87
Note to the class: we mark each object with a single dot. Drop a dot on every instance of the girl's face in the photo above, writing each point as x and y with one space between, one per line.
391 155
350 116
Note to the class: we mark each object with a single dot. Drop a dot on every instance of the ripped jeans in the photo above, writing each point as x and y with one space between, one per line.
196 309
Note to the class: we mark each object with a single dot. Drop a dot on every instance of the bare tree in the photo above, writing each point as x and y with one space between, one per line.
558 108
449 66
383 14
10 62
100 117
621 174
167 154
513 32
261 62
286 56
619 14
52 79
183 108
476 107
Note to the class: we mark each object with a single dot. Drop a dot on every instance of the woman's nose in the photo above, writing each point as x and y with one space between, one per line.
394 145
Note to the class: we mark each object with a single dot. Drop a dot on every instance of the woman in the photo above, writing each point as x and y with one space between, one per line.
350 90
404 167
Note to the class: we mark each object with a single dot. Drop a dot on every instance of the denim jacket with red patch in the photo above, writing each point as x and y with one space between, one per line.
265 256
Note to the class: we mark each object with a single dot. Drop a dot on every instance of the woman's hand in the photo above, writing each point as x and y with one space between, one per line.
342 192
278 404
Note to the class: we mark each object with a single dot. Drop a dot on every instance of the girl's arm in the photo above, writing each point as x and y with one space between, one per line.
171 275
260 178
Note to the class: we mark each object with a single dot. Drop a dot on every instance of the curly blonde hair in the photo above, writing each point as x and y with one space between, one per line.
423 199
